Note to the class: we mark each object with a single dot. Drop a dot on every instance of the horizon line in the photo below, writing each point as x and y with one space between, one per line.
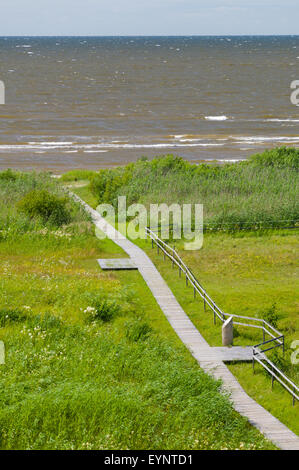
142 35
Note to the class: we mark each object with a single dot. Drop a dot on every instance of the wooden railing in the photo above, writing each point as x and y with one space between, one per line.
258 353
276 374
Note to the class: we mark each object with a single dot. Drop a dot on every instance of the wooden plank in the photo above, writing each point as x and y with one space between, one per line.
116 264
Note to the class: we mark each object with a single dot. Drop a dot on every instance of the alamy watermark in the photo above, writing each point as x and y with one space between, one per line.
176 221
295 94
2 92
295 354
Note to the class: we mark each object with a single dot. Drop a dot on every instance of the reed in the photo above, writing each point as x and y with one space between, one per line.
262 192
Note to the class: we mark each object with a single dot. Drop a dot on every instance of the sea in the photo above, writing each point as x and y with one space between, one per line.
94 102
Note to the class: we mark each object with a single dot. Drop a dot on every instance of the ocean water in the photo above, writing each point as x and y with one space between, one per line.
94 102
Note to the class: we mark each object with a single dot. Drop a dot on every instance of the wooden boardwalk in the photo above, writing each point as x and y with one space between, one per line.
210 359
117 264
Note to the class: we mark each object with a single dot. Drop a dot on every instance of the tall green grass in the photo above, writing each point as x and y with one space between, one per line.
75 175
251 274
91 362
75 386
262 192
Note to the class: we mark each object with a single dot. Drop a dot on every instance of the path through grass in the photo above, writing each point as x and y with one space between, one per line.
91 361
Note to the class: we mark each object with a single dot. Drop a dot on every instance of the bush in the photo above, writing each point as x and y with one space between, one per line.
8 316
49 207
281 157
105 184
260 193
271 316
138 330
102 309
8 175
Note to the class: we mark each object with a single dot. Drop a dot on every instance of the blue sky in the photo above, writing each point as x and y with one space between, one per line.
148 17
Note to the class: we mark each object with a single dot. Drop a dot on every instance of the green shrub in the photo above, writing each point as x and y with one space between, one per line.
8 316
102 309
259 193
105 184
8 175
138 330
281 157
271 316
49 207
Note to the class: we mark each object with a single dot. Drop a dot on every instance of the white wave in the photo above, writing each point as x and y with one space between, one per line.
50 143
258 139
63 146
180 141
95 151
230 160
281 120
216 118
200 140
164 145
190 140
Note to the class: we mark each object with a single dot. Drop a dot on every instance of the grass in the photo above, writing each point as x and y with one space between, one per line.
77 175
84 192
259 193
245 273
73 380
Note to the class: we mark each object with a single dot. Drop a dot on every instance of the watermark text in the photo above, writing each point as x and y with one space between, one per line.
173 221
295 94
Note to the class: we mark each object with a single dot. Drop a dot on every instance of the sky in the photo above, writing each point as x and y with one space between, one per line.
147 17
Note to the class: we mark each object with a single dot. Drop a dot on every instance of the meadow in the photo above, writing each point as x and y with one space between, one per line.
251 274
249 259
91 361
262 192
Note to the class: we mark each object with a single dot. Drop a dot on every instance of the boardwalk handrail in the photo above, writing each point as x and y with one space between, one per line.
275 373
277 338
